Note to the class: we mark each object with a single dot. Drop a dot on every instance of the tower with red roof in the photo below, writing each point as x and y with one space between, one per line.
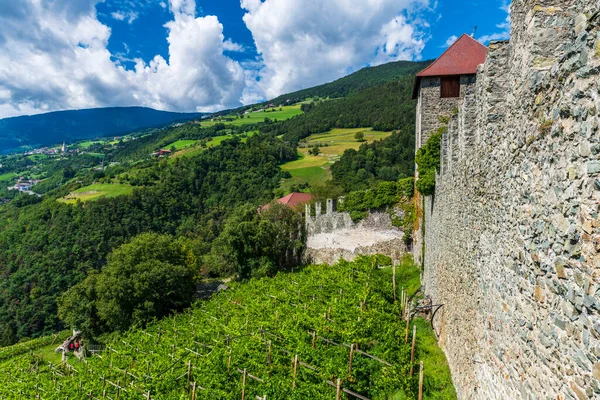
439 87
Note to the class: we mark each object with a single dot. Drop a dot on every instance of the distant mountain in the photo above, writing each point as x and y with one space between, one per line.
69 126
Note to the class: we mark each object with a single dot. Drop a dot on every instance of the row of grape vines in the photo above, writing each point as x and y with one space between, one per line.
26 347
295 336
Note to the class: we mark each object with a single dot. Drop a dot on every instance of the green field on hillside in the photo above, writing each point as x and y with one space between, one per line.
37 157
284 337
287 112
314 170
88 143
96 191
7 176
181 144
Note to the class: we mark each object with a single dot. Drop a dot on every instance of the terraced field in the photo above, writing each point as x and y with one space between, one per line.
314 170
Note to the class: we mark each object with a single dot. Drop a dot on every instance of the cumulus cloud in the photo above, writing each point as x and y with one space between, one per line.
54 56
302 43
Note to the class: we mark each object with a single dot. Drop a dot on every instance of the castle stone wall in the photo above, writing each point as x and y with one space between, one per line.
512 234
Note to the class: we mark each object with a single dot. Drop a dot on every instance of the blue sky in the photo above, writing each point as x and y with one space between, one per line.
206 55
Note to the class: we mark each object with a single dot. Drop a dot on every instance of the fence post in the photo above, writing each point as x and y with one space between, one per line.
407 323
244 385
421 381
351 357
394 281
295 370
412 352
187 386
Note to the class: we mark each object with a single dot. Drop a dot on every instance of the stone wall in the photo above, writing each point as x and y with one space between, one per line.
333 235
513 232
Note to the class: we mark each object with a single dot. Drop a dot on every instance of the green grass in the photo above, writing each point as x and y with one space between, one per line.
314 170
99 155
287 112
87 144
181 144
96 191
7 176
37 157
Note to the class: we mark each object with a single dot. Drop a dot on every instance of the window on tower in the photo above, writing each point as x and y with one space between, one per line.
450 86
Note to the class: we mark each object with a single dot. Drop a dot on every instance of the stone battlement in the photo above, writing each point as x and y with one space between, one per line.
512 234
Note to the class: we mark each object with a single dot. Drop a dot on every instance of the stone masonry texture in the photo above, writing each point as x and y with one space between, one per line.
512 234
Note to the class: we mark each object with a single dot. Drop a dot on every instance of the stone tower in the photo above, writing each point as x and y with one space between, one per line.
440 90
449 79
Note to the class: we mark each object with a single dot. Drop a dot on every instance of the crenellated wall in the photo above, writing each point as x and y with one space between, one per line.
512 235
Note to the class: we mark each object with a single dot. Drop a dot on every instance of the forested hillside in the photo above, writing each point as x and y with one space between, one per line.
48 247
385 108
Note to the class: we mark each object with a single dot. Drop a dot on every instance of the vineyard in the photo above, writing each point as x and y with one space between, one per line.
327 332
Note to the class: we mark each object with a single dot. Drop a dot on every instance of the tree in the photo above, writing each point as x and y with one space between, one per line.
360 136
255 244
147 278
315 151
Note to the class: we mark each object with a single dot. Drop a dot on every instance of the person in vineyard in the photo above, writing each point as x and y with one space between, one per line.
77 346
71 346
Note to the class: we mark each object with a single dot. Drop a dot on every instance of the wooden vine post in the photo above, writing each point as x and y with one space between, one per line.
412 351
244 384
314 337
407 324
295 371
394 281
421 381
189 372
338 395
351 358
194 391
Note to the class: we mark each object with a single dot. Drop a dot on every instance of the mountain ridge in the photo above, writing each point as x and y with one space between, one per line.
71 125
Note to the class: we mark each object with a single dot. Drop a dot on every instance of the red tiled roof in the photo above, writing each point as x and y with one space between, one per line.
292 200
462 58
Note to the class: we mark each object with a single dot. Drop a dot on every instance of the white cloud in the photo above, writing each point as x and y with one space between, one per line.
307 42
504 27
130 16
54 56
450 41
229 45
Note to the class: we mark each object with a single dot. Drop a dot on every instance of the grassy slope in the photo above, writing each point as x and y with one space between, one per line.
8 176
315 169
255 117
96 191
